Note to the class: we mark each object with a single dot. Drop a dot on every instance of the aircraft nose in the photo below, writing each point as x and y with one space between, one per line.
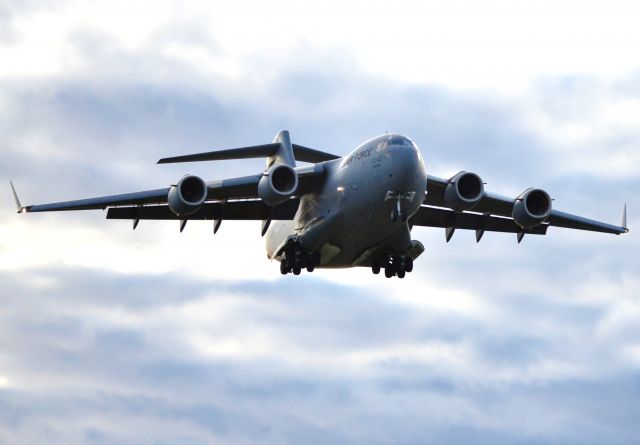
406 171
404 159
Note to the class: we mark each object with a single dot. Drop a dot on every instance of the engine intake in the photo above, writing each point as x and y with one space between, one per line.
531 208
187 196
277 184
464 191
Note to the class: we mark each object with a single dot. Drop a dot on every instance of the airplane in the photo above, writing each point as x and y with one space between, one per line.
339 212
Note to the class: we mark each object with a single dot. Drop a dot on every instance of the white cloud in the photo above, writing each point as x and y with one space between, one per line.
463 44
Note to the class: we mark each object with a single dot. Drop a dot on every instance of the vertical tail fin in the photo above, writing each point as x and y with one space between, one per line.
284 154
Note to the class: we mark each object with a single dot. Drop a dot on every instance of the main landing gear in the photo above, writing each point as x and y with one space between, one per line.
393 265
296 258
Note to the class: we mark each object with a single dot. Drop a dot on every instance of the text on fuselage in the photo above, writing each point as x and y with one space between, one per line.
357 156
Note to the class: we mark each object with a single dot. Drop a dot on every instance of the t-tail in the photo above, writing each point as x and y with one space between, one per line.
280 151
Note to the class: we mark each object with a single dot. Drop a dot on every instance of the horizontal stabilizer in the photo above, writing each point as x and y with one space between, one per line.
300 153
255 151
305 154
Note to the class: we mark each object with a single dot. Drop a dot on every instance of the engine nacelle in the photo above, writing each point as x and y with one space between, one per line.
187 196
531 208
464 191
277 184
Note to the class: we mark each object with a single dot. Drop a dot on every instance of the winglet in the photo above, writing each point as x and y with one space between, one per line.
624 219
17 200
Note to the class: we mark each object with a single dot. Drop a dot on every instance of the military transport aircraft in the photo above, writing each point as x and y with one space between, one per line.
338 212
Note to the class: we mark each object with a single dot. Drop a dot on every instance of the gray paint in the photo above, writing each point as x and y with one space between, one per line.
350 213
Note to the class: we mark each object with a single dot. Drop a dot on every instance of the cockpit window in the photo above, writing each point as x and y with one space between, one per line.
397 140
393 140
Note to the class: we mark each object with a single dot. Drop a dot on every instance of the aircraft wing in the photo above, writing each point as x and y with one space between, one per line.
152 204
438 217
494 213
253 209
102 202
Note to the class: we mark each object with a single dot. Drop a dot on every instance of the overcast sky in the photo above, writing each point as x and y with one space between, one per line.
113 336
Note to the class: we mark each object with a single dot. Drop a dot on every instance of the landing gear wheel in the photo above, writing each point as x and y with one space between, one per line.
397 262
402 264
408 264
295 257
393 265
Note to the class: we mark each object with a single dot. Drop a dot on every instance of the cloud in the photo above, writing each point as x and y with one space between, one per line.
110 368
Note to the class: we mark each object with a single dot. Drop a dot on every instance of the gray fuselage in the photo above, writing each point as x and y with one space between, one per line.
349 221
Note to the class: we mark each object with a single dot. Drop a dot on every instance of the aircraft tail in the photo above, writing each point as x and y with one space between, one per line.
284 152
280 151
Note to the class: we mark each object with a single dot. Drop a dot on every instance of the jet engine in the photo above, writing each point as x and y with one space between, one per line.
464 191
187 196
531 208
277 184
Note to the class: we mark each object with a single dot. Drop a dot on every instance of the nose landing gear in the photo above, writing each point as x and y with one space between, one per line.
394 265
397 214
